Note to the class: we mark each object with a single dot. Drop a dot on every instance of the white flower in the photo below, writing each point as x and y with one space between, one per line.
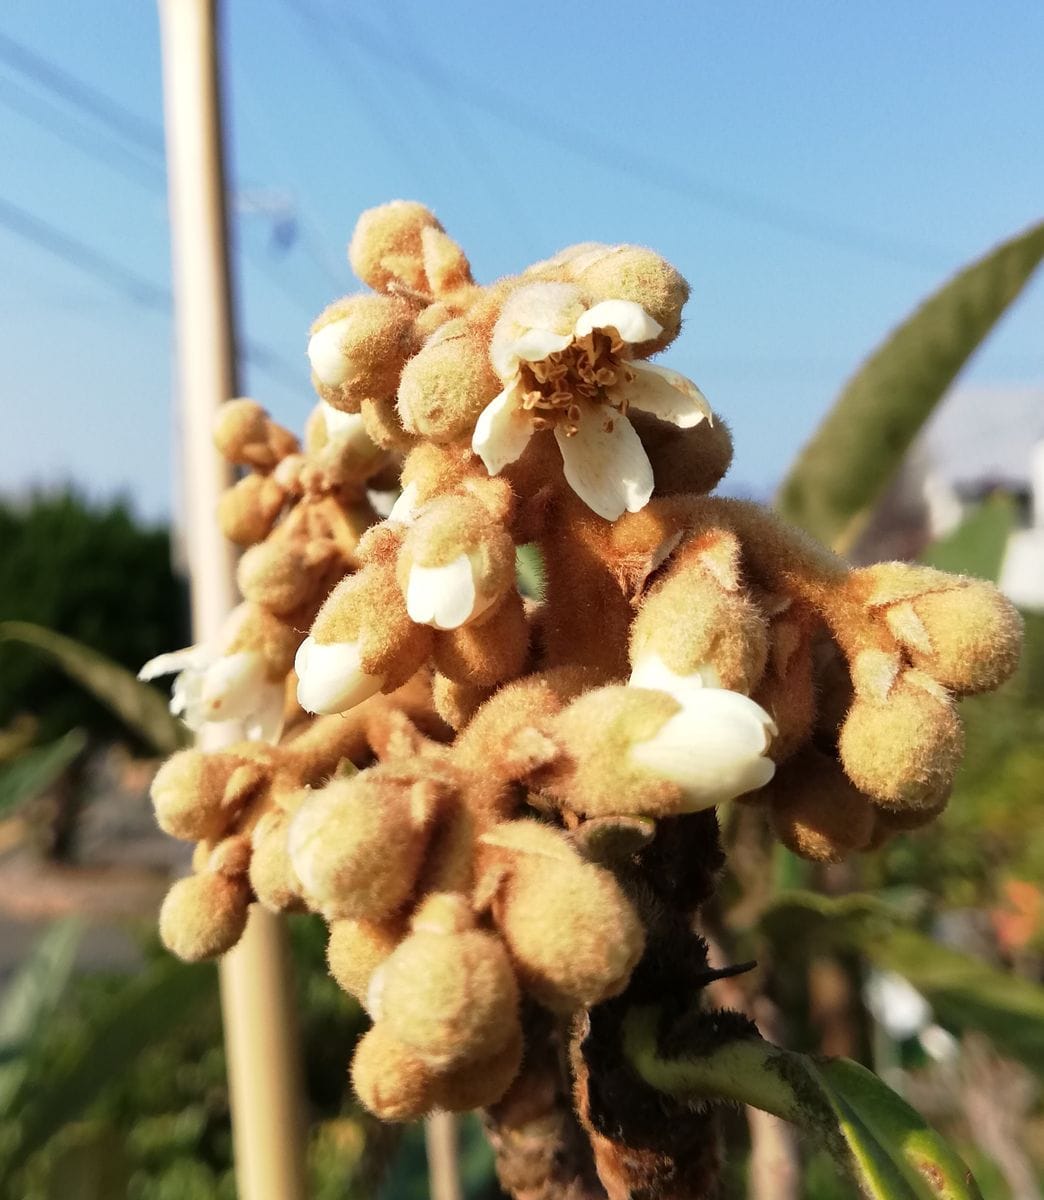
330 678
230 690
446 597
714 748
569 369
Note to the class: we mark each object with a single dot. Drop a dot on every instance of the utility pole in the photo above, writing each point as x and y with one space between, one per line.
256 998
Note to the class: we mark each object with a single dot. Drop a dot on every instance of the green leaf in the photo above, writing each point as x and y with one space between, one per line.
529 570
976 547
30 999
159 1000
35 770
859 446
887 1146
140 707
965 992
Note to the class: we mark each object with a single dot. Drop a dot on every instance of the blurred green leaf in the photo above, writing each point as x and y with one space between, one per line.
529 570
889 1149
141 707
145 1012
89 1165
976 546
965 992
30 999
859 446
35 770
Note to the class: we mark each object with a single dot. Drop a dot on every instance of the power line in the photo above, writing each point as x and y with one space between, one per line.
116 116
49 117
132 286
589 144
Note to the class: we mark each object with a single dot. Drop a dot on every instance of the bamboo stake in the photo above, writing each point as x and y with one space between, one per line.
257 1006
440 1140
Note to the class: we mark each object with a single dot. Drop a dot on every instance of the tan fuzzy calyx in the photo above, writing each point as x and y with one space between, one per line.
481 1083
968 638
357 948
903 751
684 461
357 844
248 510
197 796
387 246
358 346
634 273
816 811
445 264
283 576
596 774
272 875
572 934
368 609
451 996
445 387
204 916
697 621
245 434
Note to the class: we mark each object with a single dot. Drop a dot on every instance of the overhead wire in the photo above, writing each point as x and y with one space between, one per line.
604 151
134 287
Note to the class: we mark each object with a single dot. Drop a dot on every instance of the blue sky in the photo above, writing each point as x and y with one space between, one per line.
813 168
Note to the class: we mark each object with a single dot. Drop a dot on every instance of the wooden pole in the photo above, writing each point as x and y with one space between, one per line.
440 1139
256 997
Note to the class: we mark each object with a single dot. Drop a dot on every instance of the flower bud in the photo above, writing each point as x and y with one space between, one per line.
280 575
903 751
390 1079
451 996
640 752
357 844
815 810
698 625
489 650
446 386
203 916
340 446
356 949
357 348
197 796
245 434
572 934
634 273
481 1083
272 875
387 246
249 509
445 264
455 563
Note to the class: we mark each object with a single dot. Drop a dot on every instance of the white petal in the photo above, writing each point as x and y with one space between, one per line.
175 661
330 678
345 427
265 724
232 686
326 352
628 318
502 431
714 748
444 597
606 464
650 671
405 507
537 320
665 394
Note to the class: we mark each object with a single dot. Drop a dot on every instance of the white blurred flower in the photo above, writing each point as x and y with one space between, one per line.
446 597
231 690
330 678
568 368
326 354
714 748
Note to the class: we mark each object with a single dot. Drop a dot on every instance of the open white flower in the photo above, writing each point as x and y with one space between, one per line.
714 748
229 690
330 678
569 368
